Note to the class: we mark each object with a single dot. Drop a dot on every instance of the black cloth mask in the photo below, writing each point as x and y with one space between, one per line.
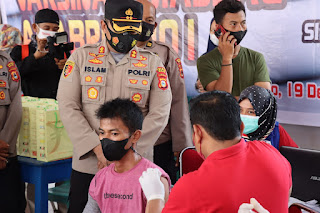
147 31
114 150
122 42
238 35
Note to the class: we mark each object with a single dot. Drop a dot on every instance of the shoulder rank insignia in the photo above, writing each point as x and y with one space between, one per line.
133 54
149 44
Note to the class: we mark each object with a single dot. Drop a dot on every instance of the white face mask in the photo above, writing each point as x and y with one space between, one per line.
214 39
44 33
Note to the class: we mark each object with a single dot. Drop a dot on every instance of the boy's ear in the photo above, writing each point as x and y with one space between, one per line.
136 136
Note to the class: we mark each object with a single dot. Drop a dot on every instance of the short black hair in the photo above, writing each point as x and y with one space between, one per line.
218 113
130 114
227 6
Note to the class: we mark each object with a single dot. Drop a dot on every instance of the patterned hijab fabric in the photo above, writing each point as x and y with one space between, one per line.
265 106
9 37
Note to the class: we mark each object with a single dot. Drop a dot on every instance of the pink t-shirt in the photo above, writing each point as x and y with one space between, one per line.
121 192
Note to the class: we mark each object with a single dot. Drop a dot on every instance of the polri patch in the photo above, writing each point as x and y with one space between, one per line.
163 83
68 68
15 75
93 93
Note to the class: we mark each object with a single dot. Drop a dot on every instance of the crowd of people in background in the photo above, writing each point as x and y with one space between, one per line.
124 105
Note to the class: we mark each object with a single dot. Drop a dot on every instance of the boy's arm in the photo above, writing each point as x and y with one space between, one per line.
92 206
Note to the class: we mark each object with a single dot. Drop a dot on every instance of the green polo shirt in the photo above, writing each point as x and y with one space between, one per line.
249 67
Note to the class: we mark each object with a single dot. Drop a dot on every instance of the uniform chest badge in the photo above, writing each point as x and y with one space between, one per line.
2 95
95 59
93 93
133 81
136 97
68 68
99 79
3 83
139 64
142 58
1 66
88 78
145 82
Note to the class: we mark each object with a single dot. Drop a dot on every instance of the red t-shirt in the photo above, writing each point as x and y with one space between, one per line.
230 177
285 139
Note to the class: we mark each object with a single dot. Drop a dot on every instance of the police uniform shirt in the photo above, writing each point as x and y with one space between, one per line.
179 127
10 102
91 77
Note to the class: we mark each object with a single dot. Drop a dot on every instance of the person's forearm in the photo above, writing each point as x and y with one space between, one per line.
225 81
154 206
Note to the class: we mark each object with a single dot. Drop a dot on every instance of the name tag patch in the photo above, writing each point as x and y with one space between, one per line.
95 69
138 72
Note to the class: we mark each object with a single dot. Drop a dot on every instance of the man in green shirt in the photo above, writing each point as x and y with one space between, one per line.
229 67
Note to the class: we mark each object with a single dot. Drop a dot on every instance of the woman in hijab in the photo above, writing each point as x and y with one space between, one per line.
258 108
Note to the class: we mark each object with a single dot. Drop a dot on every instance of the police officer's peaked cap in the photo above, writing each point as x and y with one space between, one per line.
123 10
46 16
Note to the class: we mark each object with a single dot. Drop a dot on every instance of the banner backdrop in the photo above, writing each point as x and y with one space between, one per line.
287 32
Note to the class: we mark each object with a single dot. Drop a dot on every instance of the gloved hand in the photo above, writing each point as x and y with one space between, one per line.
151 185
254 204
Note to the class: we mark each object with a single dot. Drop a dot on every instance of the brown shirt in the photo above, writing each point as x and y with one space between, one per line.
10 102
91 77
179 127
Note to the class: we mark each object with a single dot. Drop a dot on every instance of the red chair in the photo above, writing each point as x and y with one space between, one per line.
297 207
189 160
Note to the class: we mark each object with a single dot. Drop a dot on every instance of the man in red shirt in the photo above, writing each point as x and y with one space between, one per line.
234 170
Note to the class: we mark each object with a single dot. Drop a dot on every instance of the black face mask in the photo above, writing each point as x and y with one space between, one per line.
238 35
147 31
114 150
122 42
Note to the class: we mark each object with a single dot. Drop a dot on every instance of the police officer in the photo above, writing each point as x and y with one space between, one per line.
104 71
12 198
177 134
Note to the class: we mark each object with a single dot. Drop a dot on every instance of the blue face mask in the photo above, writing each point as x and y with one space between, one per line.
250 123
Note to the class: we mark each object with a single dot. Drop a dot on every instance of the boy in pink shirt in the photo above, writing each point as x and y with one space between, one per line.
116 188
